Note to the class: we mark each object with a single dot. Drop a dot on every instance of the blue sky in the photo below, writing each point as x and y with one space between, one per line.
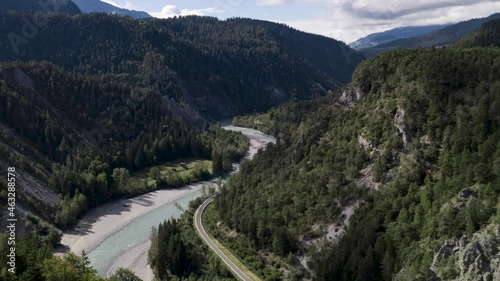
345 20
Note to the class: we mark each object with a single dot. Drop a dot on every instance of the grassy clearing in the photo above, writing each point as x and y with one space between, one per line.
167 168
171 173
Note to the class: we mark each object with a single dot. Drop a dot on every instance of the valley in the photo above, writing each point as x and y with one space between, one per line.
104 231
374 161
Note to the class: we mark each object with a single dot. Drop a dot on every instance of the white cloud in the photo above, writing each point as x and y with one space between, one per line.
349 20
170 11
112 3
128 5
272 2
167 12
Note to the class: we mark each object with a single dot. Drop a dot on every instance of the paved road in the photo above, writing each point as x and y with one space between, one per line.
203 233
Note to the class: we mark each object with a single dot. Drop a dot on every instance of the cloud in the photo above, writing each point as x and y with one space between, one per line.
391 9
171 11
272 2
112 3
128 5
349 20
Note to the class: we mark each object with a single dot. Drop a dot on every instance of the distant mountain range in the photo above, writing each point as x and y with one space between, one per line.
379 38
71 7
441 37
64 6
96 6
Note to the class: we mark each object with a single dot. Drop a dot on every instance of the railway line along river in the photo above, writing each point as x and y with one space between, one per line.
117 234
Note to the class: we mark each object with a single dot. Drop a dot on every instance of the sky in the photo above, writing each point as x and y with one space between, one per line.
346 20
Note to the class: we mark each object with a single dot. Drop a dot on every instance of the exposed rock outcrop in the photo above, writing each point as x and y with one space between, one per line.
365 143
351 96
366 178
331 233
400 124
471 258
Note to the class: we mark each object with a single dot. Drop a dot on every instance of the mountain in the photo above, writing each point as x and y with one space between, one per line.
96 6
64 6
72 117
73 142
67 134
487 36
217 68
441 37
89 103
379 38
383 169
394 177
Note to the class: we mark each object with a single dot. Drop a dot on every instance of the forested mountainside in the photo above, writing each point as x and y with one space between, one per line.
442 37
396 179
487 36
220 68
78 136
97 6
60 6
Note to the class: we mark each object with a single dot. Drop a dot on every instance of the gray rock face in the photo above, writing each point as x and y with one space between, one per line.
400 124
471 258
351 96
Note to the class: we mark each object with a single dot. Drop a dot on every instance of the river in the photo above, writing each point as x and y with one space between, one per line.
117 234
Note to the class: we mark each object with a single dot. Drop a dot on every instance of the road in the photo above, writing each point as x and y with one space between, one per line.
204 235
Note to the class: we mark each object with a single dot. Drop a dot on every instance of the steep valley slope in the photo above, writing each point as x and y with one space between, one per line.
413 142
